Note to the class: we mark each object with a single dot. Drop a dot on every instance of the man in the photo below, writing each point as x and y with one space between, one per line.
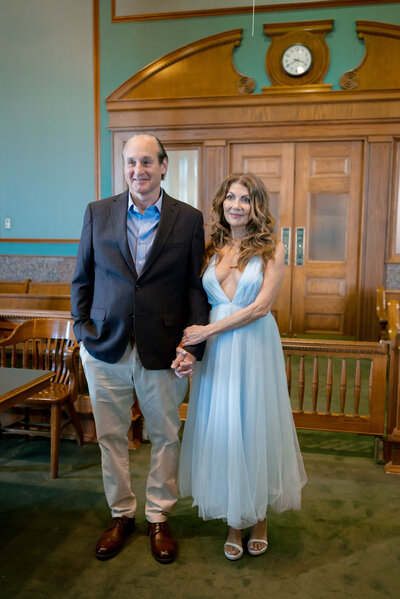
136 287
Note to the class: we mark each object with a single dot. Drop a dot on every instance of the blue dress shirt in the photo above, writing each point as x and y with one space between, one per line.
141 230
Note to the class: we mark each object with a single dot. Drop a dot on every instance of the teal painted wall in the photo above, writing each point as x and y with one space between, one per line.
46 120
127 47
46 115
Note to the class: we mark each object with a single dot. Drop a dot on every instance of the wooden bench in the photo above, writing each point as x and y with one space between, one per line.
21 301
14 286
35 287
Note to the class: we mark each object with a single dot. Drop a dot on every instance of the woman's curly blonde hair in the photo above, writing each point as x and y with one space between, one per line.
260 239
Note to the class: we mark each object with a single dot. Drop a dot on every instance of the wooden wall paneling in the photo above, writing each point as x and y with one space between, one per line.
377 196
215 122
379 66
394 205
262 116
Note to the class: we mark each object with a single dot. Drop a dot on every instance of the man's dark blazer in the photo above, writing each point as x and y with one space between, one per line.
110 302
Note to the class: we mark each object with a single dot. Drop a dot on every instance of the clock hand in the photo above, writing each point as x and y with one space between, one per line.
296 60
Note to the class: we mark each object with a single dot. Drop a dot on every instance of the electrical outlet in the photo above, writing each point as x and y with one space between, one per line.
7 223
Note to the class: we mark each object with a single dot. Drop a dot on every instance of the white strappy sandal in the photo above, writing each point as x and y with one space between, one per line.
235 556
257 551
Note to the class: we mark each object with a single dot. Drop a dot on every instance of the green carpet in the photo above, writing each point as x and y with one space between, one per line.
345 542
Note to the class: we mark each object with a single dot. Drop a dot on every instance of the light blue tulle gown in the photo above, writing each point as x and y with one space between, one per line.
240 452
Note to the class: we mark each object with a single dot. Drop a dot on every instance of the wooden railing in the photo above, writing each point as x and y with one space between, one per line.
392 441
337 385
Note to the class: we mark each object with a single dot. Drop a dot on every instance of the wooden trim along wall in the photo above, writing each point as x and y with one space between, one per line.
244 9
27 240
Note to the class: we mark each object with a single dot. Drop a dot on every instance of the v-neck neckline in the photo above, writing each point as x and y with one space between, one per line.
238 283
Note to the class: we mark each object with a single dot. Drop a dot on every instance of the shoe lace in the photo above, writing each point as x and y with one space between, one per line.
118 522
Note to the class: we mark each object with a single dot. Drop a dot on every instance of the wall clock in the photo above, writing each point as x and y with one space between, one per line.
298 55
297 60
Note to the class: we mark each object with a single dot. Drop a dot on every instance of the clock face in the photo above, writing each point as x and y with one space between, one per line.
296 60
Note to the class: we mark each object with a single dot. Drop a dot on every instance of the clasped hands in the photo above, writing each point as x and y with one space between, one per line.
184 362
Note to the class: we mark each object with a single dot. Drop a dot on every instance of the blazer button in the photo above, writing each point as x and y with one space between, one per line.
138 287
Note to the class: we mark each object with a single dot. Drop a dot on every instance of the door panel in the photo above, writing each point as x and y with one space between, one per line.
327 204
315 197
272 163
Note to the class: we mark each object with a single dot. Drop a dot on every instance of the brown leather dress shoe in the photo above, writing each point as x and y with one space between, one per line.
163 546
112 540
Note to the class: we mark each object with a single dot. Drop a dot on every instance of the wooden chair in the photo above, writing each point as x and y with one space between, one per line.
46 344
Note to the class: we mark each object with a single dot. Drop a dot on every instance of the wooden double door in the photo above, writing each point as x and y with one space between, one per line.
315 195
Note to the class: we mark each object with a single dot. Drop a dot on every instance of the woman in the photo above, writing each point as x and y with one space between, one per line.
240 451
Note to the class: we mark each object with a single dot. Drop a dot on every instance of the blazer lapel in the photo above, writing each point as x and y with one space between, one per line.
118 209
169 213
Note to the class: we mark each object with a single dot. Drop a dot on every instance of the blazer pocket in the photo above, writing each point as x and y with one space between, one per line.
97 313
172 320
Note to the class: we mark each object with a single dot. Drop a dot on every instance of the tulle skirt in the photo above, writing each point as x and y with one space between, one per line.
240 452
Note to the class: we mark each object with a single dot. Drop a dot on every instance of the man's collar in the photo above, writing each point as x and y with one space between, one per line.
157 205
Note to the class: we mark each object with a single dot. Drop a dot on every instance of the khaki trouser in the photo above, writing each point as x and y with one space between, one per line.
160 393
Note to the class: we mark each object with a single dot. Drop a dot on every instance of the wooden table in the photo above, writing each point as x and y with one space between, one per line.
17 384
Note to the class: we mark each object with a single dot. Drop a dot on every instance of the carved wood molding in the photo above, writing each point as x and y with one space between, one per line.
282 6
379 66
254 116
202 68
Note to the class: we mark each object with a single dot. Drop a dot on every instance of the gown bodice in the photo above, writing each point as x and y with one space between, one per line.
247 289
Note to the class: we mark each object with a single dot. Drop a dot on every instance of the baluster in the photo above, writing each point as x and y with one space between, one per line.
301 383
343 386
289 372
315 382
329 383
371 378
357 387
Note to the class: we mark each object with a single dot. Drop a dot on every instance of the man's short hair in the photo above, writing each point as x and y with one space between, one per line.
161 150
